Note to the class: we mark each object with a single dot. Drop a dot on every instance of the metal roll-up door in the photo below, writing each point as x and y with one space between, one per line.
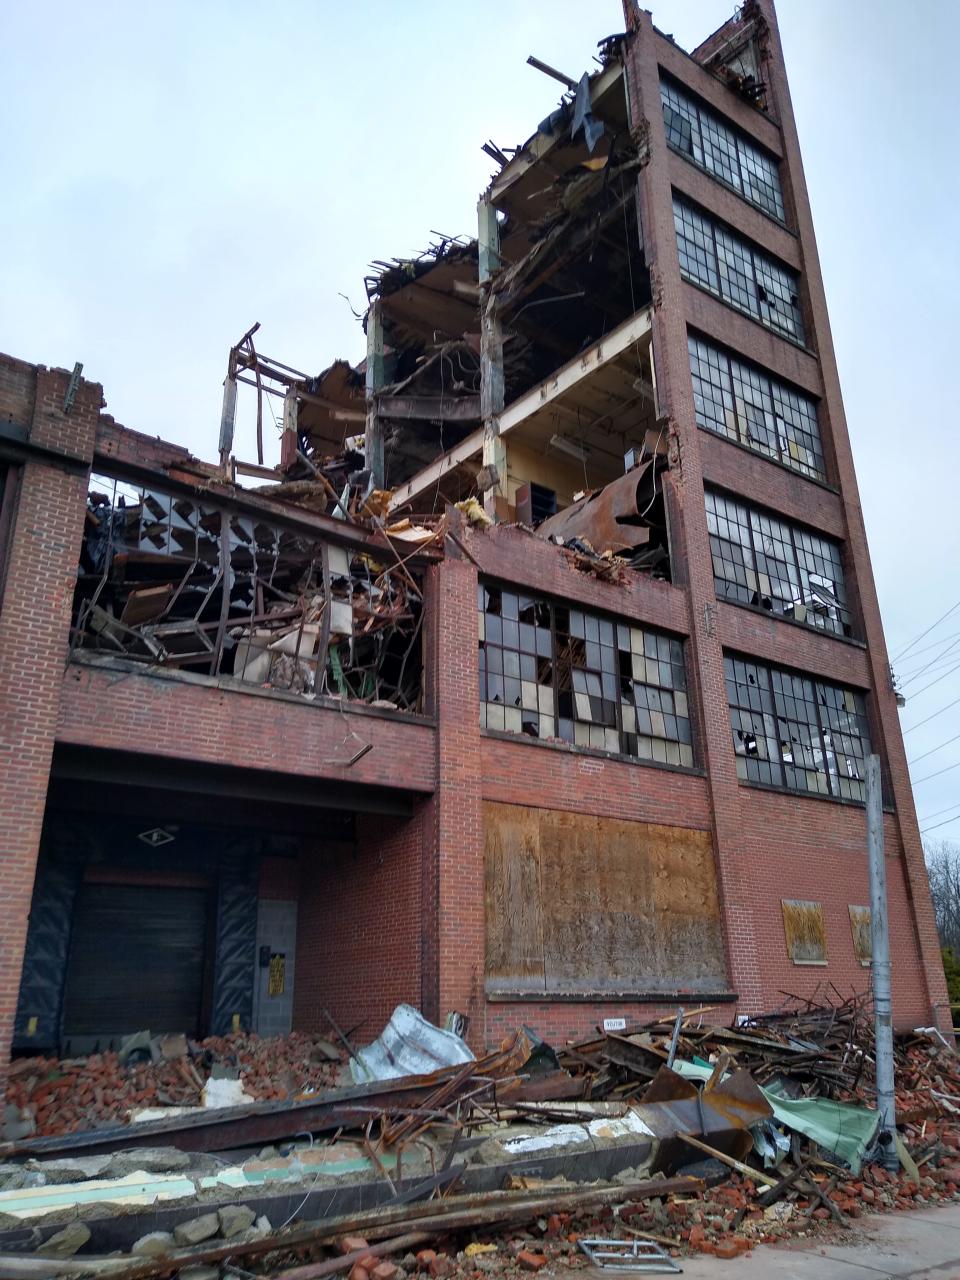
136 960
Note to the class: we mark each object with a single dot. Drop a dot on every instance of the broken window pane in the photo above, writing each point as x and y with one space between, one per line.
174 580
738 401
713 256
726 153
613 687
792 731
760 560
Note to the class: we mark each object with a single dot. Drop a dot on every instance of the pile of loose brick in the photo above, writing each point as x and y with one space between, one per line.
68 1095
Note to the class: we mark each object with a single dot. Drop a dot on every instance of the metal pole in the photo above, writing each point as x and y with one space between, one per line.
880 938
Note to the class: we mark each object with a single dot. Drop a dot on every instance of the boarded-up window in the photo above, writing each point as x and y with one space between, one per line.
805 931
576 903
860 928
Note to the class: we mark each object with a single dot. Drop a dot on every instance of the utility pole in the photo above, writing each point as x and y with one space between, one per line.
880 939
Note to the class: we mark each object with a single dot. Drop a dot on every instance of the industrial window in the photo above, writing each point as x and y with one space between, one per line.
551 671
760 560
724 152
794 731
735 271
745 405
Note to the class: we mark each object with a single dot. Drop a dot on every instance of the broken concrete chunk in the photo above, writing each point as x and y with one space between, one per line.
263 1225
154 1245
65 1243
149 1160
196 1229
74 1169
235 1218
18 1123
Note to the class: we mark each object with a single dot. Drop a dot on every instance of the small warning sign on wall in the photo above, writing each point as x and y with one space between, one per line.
278 974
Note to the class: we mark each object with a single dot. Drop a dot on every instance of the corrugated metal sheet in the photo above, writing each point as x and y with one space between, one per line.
409 1045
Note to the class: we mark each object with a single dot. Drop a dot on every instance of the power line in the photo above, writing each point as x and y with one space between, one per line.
936 644
932 716
907 649
934 661
945 823
937 774
937 681
937 812
917 759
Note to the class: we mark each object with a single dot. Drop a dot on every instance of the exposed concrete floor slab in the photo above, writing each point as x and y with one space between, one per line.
923 1244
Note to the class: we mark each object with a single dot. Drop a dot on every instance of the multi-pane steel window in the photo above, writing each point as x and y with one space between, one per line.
793 731
735 400
726 153
760 560
551 671
735 271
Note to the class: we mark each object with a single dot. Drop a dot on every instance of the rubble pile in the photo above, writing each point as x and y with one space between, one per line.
57 1096
685 1135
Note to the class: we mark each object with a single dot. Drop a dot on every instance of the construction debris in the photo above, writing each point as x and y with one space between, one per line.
741 1130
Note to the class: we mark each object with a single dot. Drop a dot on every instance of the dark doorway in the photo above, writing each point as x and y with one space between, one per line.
137 961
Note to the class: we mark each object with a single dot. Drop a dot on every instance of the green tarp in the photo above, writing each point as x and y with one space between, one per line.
839 1128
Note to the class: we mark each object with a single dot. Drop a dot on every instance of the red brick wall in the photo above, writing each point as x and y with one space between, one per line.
233 725
34 637
279 879
358 927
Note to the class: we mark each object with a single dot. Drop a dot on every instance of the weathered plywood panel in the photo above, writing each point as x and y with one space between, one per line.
805 931
860 927
512 898
624 906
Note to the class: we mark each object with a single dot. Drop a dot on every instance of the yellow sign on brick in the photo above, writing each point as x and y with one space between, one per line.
278 974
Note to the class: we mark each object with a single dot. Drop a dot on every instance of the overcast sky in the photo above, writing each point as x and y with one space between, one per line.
176 172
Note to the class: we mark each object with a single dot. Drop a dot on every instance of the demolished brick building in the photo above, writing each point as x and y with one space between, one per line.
551 705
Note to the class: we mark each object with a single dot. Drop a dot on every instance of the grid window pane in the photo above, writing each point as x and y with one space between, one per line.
716 258
760 560
737 401
779 300
722 150
698 253
550 671
791 730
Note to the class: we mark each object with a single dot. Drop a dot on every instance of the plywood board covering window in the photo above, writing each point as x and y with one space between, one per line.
577 903
805 931
860 927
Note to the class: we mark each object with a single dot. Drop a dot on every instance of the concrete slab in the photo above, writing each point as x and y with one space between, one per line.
918 1245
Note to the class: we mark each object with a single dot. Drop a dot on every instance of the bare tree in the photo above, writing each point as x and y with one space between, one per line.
943 869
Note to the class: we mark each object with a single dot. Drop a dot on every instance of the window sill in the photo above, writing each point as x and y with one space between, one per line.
727 186
559 744
793 622
748 315
765 457
810 964
809 795
529 995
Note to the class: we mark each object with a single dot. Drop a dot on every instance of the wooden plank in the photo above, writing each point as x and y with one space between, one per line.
514 916
613 904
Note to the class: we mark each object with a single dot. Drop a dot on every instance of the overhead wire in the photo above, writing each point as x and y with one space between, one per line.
939 812
934 661
933 715
927 777
932 750
945 823
922 634
948 672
